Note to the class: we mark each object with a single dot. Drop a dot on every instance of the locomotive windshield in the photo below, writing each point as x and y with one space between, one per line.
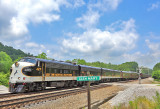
28 60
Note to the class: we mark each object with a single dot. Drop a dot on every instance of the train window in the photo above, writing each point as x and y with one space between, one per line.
33 72
50 70
61 71
47 70
28 60
65 71
57 71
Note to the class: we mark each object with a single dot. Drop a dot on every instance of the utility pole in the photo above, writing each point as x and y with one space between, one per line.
88 92
140 71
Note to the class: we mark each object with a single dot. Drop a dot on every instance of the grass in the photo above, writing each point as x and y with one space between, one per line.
156 81
4 79
142 103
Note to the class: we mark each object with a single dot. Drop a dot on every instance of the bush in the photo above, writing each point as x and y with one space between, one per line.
4 79
5 62
156 74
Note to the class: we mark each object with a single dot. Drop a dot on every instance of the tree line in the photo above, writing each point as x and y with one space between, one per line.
13 53
9 55
127 66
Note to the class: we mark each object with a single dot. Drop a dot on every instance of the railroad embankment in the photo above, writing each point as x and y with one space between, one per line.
79 101
103 98
132 92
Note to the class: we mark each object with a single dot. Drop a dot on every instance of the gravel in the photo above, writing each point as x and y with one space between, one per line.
131 93
79 100
3 89
132 90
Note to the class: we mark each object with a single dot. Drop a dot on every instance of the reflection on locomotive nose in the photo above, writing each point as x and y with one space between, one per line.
16 72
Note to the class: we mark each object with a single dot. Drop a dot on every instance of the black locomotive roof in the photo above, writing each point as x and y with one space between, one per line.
83 67
129 72
51 61
89 68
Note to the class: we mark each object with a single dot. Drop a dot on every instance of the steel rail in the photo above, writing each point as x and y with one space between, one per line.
40 98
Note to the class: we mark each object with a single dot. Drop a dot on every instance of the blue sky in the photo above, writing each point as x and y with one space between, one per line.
113 31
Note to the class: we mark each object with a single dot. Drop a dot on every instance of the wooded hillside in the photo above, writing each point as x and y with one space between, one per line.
13 53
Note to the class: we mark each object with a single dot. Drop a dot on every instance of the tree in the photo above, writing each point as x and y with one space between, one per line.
17 59
128 66
156 71
156 67
79 61
69 61
5 62
156 74
42 56
13 53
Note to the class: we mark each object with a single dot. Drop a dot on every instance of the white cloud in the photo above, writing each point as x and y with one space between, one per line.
104 43
154 48
104 5
146 59
149 59
15 15
91 17
34 48
154 6
31 45
78 3
88 20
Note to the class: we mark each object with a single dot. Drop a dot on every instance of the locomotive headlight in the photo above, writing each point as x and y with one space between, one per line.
16 64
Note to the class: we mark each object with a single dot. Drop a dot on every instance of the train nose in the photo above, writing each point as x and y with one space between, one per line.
15 72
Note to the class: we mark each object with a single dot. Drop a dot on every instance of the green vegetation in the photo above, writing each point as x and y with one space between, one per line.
13 53
5 64
4 79
156 75
146 70
42 56
156 72
9 55
127 66
142 103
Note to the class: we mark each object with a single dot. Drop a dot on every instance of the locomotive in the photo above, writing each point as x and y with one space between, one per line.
33 74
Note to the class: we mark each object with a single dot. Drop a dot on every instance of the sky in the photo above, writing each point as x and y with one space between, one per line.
114 31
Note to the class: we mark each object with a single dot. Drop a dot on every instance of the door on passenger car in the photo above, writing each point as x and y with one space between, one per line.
43 71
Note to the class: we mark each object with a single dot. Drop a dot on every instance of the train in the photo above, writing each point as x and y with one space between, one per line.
34 74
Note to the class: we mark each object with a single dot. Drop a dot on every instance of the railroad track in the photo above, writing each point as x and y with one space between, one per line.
6 95
33 99
9 95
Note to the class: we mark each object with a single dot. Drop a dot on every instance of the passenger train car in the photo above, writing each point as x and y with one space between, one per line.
32 74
